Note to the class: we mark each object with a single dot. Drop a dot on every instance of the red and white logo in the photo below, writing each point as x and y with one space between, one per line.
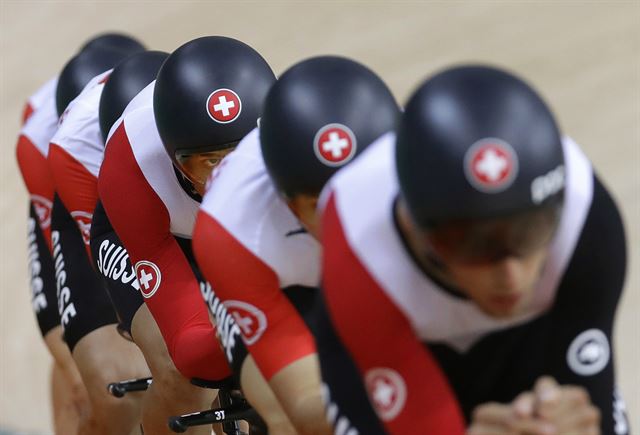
491 165
334 144
387 392
251 320
149 277
83 219
224 106
42 206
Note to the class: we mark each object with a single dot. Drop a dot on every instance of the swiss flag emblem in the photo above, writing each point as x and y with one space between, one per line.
224 106
387 391
491 165
83 219
149 277
250 319
42 207
334 144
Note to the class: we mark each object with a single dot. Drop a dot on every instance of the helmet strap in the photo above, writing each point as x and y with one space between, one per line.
186 183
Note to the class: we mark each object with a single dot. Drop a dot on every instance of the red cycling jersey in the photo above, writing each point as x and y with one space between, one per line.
258 259
75 155
148 209
41 121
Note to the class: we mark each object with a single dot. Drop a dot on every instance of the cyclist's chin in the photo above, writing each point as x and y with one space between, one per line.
503 306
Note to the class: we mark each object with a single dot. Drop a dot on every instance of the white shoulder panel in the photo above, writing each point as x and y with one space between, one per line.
44 93
43 123
79 130
147 147
242 198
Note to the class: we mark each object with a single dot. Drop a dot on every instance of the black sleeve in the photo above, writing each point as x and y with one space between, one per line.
43 283
112 262
581 350
83 303
344 392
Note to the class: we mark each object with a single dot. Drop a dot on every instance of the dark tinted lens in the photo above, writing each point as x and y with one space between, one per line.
183 154
484 241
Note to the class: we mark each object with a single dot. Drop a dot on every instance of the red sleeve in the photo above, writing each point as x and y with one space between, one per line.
405 385
167 282
37 178
76 187
272 329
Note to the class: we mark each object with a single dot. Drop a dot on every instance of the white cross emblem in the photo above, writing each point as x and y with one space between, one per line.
83 219
42 207
492 165
223 106
383 393
335 145
145 278
244 323
149 277
251 320
387 390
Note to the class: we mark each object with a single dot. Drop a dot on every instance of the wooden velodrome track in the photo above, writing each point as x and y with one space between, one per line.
583 56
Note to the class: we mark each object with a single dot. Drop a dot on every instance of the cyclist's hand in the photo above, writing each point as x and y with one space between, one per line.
567 407
509 419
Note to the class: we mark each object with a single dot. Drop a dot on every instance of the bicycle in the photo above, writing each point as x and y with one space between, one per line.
234 407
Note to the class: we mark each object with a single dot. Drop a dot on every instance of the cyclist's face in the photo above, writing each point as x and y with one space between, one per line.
501 288
198 167
496 264
305 209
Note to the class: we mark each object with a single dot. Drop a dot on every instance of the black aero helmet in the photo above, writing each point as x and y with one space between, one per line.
479 154
80 70
208 95
320 114
114 41
127 79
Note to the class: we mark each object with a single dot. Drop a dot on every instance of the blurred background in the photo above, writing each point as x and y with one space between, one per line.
584 57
